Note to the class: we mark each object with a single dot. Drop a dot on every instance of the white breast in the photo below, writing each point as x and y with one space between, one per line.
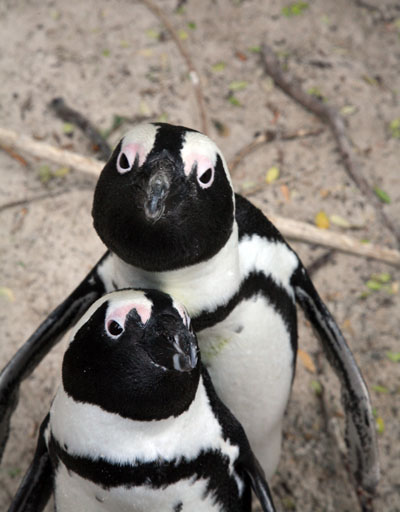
249 354
251 369
200 287
87 430
252 373
74 494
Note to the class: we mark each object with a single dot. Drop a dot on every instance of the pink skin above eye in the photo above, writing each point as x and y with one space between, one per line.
203 164
182 314
119 314
131 151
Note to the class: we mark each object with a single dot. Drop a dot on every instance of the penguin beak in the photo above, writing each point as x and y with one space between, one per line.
186 352
175 352
157 188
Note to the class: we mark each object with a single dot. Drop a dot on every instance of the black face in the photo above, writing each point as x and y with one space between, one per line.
140 368
155 216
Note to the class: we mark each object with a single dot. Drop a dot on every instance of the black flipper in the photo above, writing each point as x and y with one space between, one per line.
37 485
41 342
247 463
360 426
258 483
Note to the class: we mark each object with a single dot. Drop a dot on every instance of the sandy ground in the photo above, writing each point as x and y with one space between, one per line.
108 58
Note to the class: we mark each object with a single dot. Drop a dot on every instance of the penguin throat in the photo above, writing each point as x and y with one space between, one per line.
200 287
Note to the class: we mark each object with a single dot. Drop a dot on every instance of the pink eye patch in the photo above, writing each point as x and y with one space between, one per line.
127 156
116 317
205 169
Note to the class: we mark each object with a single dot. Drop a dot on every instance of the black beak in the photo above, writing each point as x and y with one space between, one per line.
157 188
171 345
186 352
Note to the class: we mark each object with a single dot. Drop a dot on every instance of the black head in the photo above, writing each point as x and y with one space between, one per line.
133 353
164 199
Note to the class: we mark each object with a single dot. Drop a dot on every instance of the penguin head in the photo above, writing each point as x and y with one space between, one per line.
164 199
133 353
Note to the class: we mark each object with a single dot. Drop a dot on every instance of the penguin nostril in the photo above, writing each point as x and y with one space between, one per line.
114 328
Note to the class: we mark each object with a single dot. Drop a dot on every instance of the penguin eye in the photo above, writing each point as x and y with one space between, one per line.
114 328
123 163
206 177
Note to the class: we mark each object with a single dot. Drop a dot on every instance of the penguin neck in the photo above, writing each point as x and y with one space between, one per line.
200 287
88 430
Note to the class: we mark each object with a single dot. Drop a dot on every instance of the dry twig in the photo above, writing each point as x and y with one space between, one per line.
304 232
33 199
67 114
29 146
292 87
320 262
288 227
269 136
193 73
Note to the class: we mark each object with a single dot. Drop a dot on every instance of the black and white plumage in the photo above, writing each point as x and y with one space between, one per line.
165 208
136 424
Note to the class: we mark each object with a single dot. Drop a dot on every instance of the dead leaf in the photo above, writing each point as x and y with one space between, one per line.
285 192
380 389
272 174
307 361
322 220
234 101
45 174
348 110
380 425
340 221
61 172
183 35
7 293
153 33
316 387
347 326
146 52
241 56
394 128
393 356
247 185
238 85
382 195
294 9
144 108
68 128
218 66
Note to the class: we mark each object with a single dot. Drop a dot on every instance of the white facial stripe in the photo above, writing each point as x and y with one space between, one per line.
182 313
120 299
198 148
139 142
118 312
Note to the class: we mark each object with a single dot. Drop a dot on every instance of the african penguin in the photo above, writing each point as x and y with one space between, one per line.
136 424
165 208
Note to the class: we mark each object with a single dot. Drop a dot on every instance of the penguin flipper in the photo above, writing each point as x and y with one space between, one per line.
360 426
37 484
258 482
40 343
